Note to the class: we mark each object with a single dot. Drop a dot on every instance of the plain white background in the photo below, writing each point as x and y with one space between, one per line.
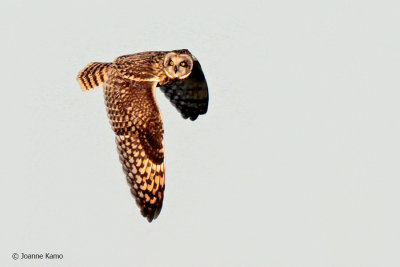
296 162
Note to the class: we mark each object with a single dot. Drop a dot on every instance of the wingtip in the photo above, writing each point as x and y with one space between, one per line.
194 117
150 215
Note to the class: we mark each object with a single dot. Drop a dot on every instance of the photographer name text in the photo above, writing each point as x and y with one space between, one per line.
37 256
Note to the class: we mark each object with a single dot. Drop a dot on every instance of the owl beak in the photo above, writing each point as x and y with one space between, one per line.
176 69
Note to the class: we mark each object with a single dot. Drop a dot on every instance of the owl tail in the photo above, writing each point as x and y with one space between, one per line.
93 75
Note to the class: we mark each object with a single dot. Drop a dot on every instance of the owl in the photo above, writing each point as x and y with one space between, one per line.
129 86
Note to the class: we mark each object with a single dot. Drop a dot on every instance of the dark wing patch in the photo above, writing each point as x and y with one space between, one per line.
189 96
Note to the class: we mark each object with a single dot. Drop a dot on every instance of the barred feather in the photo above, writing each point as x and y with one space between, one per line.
93 75
136 121
145 177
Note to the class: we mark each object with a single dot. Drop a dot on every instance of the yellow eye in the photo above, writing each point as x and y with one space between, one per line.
171 63
183 64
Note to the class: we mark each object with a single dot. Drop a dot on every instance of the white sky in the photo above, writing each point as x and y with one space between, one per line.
296 162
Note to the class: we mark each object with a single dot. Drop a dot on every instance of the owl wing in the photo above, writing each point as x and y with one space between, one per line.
189 96
136 121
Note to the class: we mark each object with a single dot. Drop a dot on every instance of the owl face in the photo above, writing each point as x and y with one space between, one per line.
178 65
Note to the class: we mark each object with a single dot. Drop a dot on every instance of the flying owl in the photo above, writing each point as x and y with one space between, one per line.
129 91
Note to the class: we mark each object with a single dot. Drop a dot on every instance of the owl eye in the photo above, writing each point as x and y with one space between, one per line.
171 63
183 64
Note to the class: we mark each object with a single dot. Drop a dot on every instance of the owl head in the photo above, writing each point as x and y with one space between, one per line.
178 64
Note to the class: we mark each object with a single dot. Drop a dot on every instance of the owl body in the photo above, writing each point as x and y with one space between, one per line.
145 66
129 90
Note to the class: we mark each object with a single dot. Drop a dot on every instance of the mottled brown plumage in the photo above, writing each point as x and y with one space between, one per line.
129 90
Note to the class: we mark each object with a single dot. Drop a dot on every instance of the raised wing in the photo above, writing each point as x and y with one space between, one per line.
189 96
136 121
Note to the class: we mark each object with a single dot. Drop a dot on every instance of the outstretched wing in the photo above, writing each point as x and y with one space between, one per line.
136 120
189 96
